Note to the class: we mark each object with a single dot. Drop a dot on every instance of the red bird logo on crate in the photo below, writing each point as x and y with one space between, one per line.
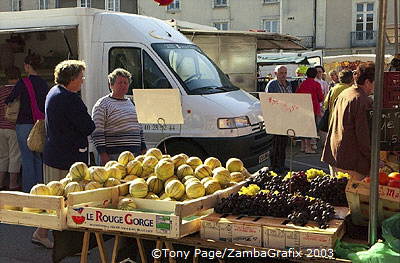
163 2
79 210
78 219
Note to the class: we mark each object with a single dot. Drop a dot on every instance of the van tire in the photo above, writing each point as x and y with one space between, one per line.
188 147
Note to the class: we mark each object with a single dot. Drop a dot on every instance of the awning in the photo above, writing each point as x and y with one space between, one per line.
267 60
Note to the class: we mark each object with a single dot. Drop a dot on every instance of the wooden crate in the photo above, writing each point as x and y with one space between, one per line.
154 217
358 193
55 220
270 232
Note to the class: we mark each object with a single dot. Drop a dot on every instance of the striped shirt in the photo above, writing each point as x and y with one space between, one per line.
5 91
117 127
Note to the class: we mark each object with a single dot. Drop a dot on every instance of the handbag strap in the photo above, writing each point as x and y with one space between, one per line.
36 113
329 97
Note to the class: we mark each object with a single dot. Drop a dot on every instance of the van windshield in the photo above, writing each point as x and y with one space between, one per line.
196 72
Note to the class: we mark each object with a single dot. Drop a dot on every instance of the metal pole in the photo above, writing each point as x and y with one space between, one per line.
376 124
396 28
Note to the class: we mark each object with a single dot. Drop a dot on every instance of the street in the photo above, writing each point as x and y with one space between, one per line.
16 246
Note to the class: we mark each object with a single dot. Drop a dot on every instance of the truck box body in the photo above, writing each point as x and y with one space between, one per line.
158 57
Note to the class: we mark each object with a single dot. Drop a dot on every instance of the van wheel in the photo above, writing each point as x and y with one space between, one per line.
190 148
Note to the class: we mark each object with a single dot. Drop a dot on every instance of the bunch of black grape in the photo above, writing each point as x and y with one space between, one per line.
235 204
263 177
277 184
298 183
299 218
321 212
329 189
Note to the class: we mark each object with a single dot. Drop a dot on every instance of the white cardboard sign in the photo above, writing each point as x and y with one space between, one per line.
156 104
284 111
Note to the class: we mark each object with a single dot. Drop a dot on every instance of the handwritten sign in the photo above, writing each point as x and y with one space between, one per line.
285 111
390 129
159 106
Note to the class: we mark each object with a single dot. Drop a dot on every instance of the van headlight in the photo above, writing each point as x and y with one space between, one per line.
233 123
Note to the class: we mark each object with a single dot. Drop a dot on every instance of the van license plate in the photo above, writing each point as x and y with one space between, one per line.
263 157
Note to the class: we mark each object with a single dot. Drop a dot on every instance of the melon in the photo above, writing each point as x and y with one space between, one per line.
93 185
112 182
125 157
71 188
134 167
171 178
195 190
149 163
202 171
237 177
206 179
222 175
234 165
184 156
155 185
79 171
98 174
140 158
110 163
194 162
164 170
151 195
56 188
178 160
126 203
174 189
184 170
65 181
212 186
154 152
166 156
212 162
138 188
122 169
40 189
187 177
130 177
191 180
114 172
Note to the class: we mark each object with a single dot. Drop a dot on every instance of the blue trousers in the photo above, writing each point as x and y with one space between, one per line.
32 165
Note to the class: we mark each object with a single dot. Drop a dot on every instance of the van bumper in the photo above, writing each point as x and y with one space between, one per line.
253 149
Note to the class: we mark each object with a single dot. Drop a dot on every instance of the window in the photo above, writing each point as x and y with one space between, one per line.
16 5
221 25
220 3
271 26
112 5
43 4
173 6
270 1
365 21
86 3
131 59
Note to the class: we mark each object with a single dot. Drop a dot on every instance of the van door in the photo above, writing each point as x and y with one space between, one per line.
147 73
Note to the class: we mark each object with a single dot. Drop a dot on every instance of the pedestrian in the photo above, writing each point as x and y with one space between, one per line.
31 161
10 155
117 127
310 86
345 81
279 142
68 126
321 81
334 78
348 144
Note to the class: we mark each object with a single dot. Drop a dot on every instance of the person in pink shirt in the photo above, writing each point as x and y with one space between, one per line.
310 86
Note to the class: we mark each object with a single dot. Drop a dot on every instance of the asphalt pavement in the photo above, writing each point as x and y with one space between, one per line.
15 241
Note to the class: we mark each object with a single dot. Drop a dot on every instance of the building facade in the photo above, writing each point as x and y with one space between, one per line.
335 26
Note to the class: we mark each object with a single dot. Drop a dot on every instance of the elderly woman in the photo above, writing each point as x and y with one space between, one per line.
347 147
117 127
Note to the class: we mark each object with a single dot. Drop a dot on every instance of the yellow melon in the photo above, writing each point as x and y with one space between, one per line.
134 167
138 188
71 188
178 160
205 179
237 177
114 172
112 182
212 186
79 171
174 189
98 174
110 163
140 158
194 162
125 157
126 203
195 190
171 178
212 162
56 188
234 165
130 177
40 189
191 180
93 185
149 163
154 152
151 195
155 185
164 170
222 175
122 169
187 177
184 170
202 171
65 181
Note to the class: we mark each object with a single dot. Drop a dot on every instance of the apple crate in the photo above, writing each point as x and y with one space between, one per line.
53 207
94 210
358 193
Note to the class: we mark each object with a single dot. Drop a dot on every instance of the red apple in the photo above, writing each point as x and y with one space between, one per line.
383 178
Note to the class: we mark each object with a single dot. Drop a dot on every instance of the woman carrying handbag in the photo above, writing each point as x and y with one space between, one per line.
27 116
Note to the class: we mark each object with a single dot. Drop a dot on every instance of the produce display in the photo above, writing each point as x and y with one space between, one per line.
392 179
151 176
313 182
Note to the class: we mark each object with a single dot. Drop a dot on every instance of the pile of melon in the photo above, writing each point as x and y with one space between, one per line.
152 176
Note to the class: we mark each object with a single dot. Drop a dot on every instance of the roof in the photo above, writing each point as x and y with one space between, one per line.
354 57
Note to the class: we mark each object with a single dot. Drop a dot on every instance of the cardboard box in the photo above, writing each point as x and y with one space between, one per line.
358 193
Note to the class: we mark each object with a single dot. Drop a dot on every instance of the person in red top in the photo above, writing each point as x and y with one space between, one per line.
310 86
10 156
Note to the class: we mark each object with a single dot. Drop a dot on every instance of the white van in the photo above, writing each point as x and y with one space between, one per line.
220 119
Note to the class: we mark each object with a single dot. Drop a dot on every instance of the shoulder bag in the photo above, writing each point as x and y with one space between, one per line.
323 124
37 135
